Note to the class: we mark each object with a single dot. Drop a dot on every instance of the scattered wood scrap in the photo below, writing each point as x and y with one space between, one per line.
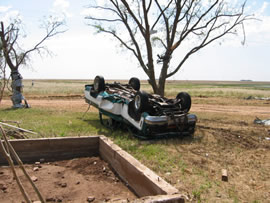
16 132
224 176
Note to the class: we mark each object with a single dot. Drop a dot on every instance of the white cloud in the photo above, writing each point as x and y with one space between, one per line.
96 12
85 12
61 6
258 31
4 8
263 8
8 16
61 3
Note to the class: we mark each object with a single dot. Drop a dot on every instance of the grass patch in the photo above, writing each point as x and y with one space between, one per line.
53 123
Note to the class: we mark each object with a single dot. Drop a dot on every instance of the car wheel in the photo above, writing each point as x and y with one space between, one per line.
135 83
99 84
140 102
185 101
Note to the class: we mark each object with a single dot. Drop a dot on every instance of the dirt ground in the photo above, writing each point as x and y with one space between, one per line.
66 181
225 138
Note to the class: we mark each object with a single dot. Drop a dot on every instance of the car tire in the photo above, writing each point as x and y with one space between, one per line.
99 84
135 83
140 102
185 101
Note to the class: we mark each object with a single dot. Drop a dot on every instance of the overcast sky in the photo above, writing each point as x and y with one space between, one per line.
81 54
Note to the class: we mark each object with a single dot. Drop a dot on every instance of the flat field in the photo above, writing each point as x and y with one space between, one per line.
225 137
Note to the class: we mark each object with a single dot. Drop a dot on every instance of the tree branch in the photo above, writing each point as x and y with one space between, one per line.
51 32
103 19
142 29
161 13
204 43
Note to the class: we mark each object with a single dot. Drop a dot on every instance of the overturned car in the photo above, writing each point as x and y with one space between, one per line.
146 115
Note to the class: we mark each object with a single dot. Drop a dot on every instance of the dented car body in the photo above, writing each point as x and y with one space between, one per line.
146 115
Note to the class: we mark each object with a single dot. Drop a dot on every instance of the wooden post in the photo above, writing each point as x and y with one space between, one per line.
224 176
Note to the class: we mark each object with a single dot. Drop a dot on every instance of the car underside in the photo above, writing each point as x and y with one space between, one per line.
146 115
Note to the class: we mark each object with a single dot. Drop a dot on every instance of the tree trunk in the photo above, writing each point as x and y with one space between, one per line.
17 90
16 85
157 88
160 89
151 76
3 80
2 88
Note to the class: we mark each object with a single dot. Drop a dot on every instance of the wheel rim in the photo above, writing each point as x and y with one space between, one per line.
137 102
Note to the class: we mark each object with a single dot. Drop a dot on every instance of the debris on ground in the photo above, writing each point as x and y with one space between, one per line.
262 122
3 187
224 176
15 131
34 178
90 199
257 98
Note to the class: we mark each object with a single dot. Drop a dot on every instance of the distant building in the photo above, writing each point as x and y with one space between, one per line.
246 80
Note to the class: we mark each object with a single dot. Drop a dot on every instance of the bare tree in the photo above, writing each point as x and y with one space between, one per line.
139 25
15 57
3 79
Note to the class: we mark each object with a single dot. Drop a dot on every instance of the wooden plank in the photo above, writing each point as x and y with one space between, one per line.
141 179
21 129
31 150
163 199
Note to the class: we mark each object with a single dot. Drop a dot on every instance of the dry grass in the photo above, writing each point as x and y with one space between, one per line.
47 88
